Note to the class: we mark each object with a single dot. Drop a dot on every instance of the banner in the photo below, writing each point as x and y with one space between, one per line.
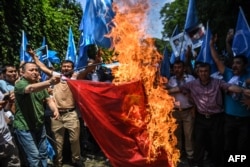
116 117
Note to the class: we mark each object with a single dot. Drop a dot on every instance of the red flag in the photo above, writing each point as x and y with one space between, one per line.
116 117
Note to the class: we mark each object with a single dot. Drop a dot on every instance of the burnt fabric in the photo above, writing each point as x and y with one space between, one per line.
116 117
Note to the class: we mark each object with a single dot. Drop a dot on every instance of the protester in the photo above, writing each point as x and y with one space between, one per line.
206 93
237 120
69 118
8 82
9 78
7 85
8 151
29 117
183 110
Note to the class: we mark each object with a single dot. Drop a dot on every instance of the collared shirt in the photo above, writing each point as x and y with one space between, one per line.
208 98
6 87
180 97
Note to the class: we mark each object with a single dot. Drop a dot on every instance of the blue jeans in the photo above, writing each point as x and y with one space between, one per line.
34 146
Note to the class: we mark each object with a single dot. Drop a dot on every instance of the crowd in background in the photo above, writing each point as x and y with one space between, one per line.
212 111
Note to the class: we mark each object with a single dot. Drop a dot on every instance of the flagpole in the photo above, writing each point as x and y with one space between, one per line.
81 68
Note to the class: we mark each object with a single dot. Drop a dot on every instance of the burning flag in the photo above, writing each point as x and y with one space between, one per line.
131 118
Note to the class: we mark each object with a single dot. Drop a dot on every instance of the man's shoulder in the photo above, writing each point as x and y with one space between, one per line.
21 82
2 82
190 77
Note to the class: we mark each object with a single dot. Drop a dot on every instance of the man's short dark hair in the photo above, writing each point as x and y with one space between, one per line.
25 63
4 68
242 57
68 61
203 64
179 62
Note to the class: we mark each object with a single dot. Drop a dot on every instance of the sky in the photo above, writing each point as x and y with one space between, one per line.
153 19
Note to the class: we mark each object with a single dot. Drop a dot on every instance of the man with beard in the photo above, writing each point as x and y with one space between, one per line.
237 119
69 118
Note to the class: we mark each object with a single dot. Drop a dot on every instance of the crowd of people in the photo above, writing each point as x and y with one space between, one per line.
35 114
212 113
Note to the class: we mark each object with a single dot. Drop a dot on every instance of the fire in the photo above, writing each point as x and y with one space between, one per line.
139 60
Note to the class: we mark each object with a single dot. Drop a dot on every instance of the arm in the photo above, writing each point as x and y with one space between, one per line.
188 64
229 40
42 66
221 67
246 92
235 89
174 90
52 105
83 73
42 85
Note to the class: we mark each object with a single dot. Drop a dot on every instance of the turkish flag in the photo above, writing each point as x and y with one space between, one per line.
116 117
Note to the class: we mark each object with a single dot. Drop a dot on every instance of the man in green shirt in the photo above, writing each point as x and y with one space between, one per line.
29 127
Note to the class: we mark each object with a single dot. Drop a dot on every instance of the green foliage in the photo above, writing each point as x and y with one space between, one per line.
221 15
38 18
173 14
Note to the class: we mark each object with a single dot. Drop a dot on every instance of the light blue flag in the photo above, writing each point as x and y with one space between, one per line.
193 27
42 53
241 41
71 49
205 52
52 55
53 58
178 55
165 64
24 56
82 52
96 22
44 41
172 58
192 19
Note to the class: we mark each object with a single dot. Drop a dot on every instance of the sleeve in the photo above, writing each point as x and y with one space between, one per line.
227 75
20 87
54 73
224 85
185 88
171 82
46 94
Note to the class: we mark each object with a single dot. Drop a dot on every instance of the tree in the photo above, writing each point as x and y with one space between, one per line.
173 14
221 15
49 18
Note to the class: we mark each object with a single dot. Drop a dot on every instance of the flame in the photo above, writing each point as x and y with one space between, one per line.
139 60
